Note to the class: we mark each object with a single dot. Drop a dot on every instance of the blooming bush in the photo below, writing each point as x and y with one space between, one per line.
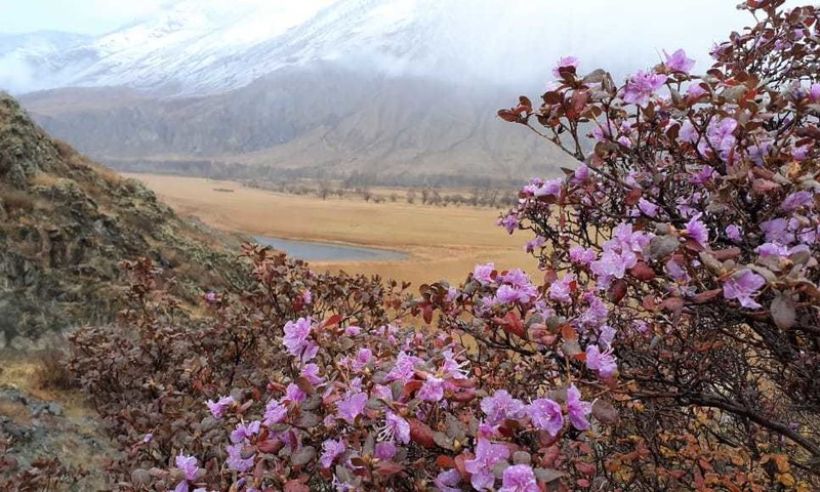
669 342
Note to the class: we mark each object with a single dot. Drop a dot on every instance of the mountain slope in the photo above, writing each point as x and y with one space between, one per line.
322 121
66 223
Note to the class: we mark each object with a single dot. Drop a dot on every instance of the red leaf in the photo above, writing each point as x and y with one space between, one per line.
617 291
511 323
421 434
333 320
410 388
642 271
388 468
427 313
445 462
707 296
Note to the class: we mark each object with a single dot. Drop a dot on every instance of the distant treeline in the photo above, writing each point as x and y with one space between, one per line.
247 172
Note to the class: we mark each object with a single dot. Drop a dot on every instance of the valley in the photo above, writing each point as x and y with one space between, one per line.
441 242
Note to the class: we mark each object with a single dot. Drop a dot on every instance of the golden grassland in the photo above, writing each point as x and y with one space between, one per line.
443 243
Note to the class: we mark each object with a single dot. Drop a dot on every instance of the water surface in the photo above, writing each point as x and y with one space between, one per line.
316 251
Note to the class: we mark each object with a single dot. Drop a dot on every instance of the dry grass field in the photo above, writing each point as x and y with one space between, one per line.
442 243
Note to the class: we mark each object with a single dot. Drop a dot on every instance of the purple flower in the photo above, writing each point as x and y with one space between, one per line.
625 141
218 408
487 455
814 92
385 451
235 458
211 297
363 358
601 362
501 406
695 91
448 480
676 271
595 315
721 136
507 294
545 414
772 249
148 438
534 244
582 256
509 222
517 278
697 230
482 273
188 465
396 427
564 62
519 478
294 393
560 290
311 373
330 451
796 200
275 413
743 286
641 86
352 406
245 431
581 174
577 410
352 331
405 368
801 153
432 389
734 233
296 336
648 208
679 61
307 297
688 133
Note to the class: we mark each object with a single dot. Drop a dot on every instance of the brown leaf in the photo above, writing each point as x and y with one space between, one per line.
783 311
642 271
604 411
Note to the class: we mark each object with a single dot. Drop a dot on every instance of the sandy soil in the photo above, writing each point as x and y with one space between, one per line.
443 243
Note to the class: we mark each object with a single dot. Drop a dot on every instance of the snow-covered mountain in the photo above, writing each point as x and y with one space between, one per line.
197 47
398 88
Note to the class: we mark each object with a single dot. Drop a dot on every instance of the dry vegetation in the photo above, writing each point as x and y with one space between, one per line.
443 243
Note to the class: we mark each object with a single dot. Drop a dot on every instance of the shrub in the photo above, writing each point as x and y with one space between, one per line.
672 343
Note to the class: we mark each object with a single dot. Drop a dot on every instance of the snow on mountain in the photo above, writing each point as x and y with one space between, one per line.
27 61
204 47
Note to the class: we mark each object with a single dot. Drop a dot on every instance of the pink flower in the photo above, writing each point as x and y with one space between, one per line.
648 208
509 222
363 358
487 455
796 200
721 136
517 278
296 336
397 427
595 315
582 256
330 451
238 460
432 389
519 478
561 290
577 410
351 407
294 393
307 297
483 273
772 249
545 414
601 362
188 465
697 230
534 244
507 294
385 451
564 62
448 480
275 413
501 406
311 373
641 86
581 174
743 286
695 91
245 431
679 62
734 233
814 93
218 408
405 368
352 331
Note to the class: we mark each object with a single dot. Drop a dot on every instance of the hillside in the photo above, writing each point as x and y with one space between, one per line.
66 223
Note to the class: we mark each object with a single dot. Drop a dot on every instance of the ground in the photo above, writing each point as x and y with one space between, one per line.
443 242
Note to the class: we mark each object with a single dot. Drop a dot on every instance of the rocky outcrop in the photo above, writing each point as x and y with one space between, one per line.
65 225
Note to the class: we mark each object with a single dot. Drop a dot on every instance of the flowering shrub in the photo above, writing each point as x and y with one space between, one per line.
670 341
